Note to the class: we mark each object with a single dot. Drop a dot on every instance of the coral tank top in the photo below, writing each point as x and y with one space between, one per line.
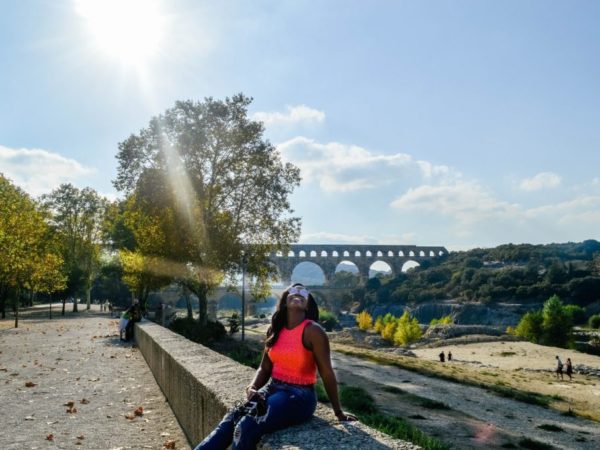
292 362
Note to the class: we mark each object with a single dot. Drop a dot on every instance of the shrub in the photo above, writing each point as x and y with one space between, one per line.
364 320
594 321
328 320
191 329
234 323
378 327
445 320
407 330
389 329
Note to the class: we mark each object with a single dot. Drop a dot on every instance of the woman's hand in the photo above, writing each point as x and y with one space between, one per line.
251 391
344 417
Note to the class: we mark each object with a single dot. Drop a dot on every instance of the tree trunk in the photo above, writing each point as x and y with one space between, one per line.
88 295
201 291
16 308
3 295
188 302
64 301
75 304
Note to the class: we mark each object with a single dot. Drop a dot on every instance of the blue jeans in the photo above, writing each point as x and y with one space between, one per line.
286 405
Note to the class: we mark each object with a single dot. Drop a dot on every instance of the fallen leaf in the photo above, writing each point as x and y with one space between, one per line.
169 444
70 404
84 401
30 384
139 411
50 437
81 437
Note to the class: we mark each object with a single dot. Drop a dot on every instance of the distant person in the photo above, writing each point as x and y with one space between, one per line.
442 357
569 369
559 368
282 392
449 355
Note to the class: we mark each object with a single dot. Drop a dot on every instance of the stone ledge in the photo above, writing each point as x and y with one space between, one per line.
201 385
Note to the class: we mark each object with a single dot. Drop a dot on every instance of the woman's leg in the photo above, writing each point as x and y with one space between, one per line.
286 406
220 438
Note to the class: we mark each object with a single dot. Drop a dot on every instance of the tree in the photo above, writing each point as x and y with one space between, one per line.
364 321
557 323
206 177
78 217
407 330
28 257
530 326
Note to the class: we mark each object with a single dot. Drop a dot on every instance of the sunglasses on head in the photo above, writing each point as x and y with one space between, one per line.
297 290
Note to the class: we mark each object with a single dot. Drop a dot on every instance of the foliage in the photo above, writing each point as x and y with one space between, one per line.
328 320
30 257
445 320
552 325
378 326
364 321
207 333
407 330
389 330
78 218
361 403
525 273
344 279
530 326
577 314
202 177
594 321
234 323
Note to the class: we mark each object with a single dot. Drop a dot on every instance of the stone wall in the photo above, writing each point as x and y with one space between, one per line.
201 385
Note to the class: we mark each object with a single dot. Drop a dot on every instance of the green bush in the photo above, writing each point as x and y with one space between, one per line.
328 320
191 329
594 321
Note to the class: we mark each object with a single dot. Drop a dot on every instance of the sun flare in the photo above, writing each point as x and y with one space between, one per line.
129 30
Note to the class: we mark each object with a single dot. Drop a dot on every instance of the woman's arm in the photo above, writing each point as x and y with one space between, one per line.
262 375
318 342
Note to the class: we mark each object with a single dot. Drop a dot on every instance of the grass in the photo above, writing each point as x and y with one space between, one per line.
429 369
360 403
549 427
432 404
534 445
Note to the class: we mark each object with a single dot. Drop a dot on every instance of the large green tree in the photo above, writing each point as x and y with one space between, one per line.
78 217
203 174
29 258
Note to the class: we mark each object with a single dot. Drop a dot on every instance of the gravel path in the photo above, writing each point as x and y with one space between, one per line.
502 414
46 364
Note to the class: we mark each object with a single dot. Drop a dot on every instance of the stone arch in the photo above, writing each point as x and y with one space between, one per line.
302 254
323 254
400 253
421 253
368 254
346 254
308 273
344 266
335 254
379 254
390 254
357 253
410 264
313 254
291 254
411 253
381 266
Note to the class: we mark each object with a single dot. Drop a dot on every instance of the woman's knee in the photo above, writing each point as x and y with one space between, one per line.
246 434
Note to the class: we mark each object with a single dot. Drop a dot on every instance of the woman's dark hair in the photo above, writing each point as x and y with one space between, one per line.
279 319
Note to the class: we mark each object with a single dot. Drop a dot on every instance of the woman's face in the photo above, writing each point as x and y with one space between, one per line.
297 298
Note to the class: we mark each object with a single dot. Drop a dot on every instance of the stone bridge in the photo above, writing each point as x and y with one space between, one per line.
329 256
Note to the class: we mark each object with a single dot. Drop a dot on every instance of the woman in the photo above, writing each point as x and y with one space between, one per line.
570 369
282 392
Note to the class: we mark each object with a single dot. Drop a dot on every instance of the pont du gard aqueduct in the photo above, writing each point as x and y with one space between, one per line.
329 256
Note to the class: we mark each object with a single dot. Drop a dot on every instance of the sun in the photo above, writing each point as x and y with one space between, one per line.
131 31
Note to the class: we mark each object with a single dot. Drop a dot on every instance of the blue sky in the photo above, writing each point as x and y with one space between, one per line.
463 123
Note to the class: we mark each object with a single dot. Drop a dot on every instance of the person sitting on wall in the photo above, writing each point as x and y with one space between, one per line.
282 392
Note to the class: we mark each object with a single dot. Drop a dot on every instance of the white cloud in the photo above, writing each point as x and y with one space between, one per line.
467 202
39 171
339 167
543 180
300 114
